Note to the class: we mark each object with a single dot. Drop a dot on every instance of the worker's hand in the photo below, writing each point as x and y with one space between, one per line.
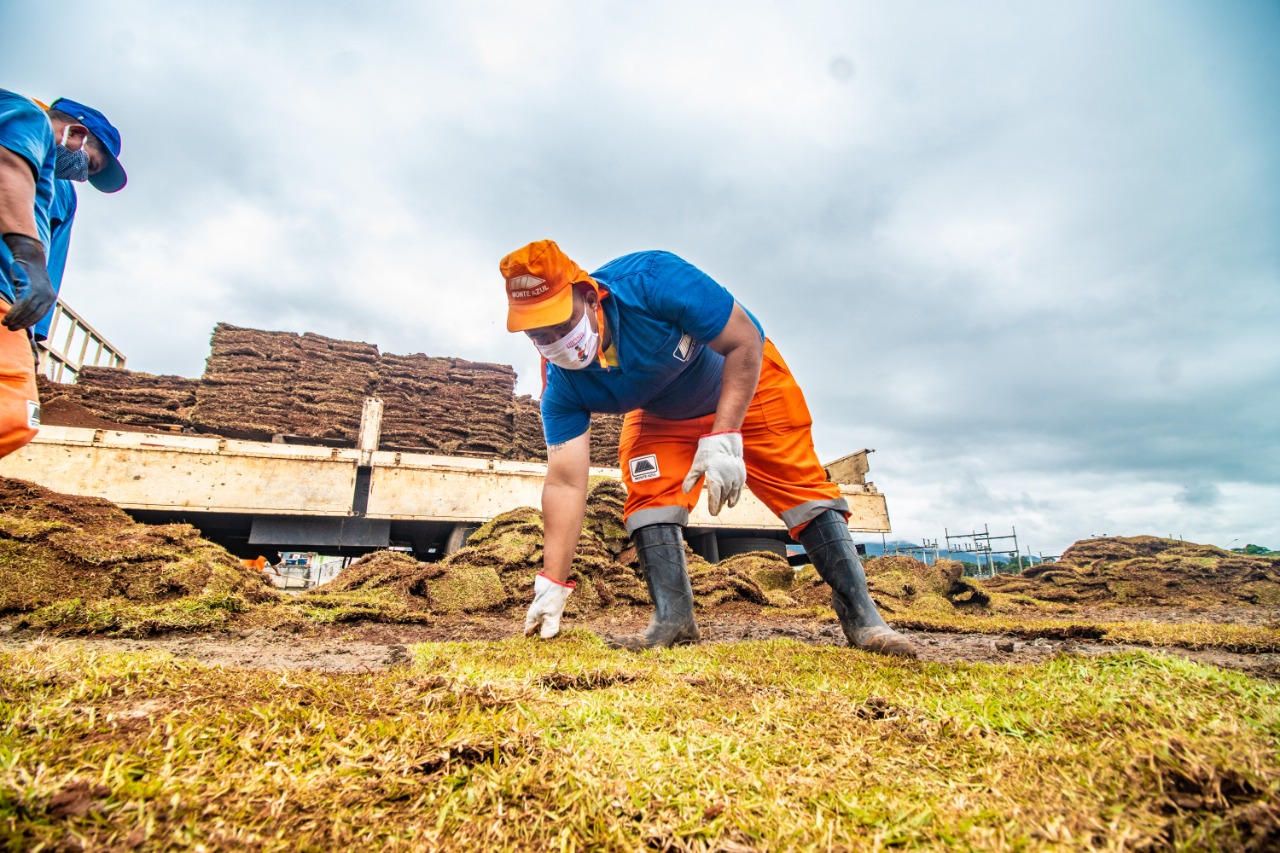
549 597
719 456
33 292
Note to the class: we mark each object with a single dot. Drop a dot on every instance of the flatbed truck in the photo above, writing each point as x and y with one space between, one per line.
255 497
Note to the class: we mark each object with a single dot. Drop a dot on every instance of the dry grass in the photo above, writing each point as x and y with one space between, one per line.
1147 570
570 745
74 565
1247 639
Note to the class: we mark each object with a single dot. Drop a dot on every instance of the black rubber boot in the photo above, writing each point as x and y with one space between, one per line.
830 548
661 550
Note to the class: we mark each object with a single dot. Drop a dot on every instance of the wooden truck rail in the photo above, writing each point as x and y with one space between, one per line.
253 496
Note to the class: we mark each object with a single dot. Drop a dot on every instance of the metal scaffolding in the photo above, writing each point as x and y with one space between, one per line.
980 546
926 552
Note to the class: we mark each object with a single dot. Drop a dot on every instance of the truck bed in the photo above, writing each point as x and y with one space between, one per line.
161 476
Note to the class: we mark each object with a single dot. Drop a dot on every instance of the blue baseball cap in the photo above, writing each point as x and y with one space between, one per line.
112 177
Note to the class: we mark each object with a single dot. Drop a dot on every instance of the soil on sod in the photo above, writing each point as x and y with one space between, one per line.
495 572
81 564
1145 571
258 384
71 565
121 396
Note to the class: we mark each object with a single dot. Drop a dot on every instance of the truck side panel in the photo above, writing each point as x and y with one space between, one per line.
146 471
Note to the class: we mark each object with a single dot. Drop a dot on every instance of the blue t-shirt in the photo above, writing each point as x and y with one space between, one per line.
62 214
25 130
660 311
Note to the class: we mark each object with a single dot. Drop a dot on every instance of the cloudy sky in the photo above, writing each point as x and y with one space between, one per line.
1028 251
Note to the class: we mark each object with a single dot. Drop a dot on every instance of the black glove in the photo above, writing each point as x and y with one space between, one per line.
31 284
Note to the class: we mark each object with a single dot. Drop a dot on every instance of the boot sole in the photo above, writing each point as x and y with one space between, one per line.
883 641
640 643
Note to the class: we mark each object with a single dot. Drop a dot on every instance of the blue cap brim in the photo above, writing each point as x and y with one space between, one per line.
112 178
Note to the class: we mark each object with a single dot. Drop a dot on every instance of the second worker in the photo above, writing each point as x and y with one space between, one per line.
707 397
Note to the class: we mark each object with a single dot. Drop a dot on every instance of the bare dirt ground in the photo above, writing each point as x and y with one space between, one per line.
359 647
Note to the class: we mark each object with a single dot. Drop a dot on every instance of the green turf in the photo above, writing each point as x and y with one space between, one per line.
522 744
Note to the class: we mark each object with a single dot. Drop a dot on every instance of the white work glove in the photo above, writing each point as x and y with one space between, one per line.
549 597
719 456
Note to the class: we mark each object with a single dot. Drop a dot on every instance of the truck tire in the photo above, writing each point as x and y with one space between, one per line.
458 537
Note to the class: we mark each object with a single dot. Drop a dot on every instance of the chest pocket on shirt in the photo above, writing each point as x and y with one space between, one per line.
685 347
778 398
672 357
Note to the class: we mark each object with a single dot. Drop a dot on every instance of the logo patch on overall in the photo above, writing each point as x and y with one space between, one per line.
643 467
684 349
33 414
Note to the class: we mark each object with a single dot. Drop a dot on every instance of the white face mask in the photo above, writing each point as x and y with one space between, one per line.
575 350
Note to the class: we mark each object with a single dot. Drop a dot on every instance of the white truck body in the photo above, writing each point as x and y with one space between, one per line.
163 476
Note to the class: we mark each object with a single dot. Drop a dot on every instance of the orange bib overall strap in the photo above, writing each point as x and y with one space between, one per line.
782 467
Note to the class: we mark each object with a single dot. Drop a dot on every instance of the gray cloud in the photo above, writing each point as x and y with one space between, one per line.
1199 495
1026 252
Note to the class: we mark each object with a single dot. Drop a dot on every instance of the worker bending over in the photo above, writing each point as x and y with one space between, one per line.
706 396
88 150
28 157
42 150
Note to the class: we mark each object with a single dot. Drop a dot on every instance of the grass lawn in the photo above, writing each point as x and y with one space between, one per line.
570 745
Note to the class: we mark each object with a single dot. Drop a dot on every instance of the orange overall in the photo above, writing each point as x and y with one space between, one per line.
782 468
19 403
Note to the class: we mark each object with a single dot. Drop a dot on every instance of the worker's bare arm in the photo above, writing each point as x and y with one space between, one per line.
743 350
564 501
17 195
29 272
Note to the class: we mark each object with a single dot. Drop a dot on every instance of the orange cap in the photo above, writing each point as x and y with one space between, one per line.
539 280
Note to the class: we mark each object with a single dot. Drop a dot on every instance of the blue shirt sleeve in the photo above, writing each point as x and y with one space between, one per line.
681 293
563 419
25 130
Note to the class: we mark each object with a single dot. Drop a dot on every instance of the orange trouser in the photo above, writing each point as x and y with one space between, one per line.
19 403
777 446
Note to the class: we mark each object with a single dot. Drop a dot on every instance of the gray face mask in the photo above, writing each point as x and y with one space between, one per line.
70 165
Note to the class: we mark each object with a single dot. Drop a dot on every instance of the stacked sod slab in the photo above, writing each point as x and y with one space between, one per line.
140 398
259 384
1146 571
80 565
107 397
606 430
527 441
446 405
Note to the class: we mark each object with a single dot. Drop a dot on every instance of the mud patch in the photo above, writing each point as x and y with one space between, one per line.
372 646
77 798
593 680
